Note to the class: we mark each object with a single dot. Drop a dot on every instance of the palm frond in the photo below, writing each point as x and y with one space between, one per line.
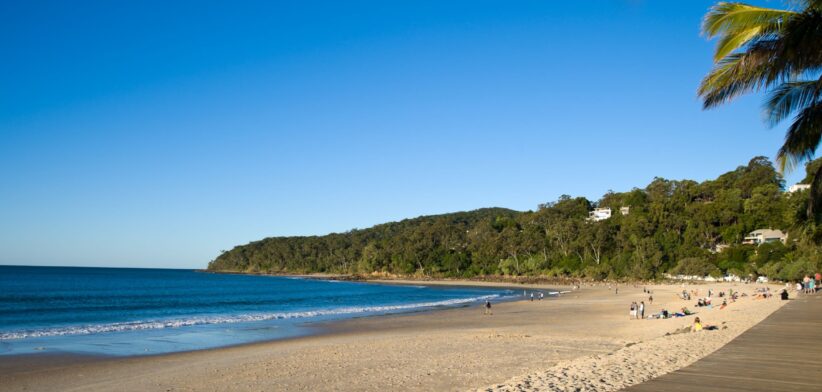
740 73
801 41
730 42
737 24
790 97
733 17
761 48
801 139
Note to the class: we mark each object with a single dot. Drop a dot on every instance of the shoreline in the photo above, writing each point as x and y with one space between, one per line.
482 279
308 327
439 349
316 327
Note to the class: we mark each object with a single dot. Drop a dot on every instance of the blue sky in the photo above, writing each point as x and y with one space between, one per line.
155 134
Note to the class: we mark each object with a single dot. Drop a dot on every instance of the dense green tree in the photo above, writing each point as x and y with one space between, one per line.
779 51
671 227
694 266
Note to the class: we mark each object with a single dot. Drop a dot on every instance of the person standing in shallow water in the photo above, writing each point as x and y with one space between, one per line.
488 307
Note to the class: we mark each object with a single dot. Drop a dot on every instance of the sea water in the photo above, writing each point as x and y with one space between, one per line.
125 311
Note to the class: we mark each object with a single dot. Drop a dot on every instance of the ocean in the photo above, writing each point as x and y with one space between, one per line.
129 311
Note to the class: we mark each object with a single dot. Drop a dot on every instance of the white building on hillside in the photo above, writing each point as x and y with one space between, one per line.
761 236
599 214
624 210
798 187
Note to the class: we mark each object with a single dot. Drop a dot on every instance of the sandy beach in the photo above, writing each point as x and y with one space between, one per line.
582 340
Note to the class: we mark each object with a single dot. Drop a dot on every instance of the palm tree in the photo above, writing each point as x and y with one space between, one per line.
778 51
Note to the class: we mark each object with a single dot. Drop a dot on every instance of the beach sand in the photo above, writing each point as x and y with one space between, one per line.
584 340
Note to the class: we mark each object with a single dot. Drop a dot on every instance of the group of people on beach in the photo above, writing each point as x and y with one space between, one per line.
637 310
809 284
540 295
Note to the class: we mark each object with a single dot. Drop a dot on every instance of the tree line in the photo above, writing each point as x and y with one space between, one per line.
671 226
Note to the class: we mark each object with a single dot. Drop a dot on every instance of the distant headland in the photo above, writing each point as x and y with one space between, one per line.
669 226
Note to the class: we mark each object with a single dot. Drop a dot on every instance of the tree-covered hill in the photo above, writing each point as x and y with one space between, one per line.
671 226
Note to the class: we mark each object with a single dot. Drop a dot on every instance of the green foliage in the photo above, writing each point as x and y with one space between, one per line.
671 227
694 266
779 51
736 258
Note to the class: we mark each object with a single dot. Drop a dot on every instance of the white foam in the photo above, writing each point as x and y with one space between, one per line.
205 320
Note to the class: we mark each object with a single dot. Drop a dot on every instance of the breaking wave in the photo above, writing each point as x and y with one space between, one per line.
208 320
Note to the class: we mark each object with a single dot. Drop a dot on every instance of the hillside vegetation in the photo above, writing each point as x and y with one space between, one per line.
672 226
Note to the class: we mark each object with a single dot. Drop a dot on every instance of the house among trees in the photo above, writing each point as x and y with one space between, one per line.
599 214
798 187
761 236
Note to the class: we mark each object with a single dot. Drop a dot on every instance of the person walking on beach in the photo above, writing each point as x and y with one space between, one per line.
488 307
641 315
650 300
633 310
541 295
532 297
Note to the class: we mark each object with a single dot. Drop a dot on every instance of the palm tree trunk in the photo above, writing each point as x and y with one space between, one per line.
815 195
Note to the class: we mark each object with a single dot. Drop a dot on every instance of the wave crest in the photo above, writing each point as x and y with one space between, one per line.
207 320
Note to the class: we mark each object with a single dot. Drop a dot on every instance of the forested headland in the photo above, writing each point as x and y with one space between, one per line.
679 227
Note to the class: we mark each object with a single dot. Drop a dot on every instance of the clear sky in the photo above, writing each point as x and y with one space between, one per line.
156 133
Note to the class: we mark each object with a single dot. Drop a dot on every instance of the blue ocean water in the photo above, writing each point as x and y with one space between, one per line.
123 311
